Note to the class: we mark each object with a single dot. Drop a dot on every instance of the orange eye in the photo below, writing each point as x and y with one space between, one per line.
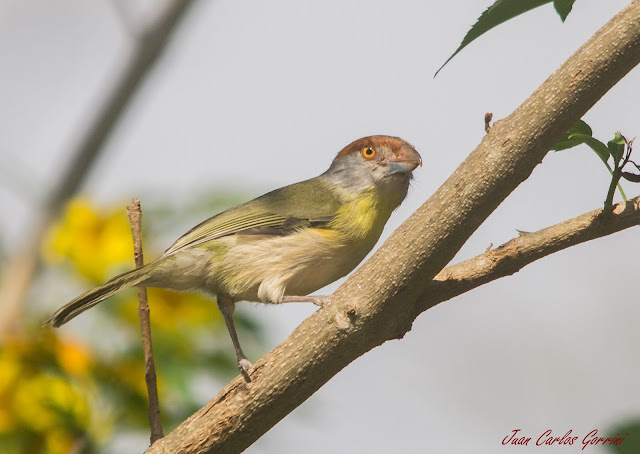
368 152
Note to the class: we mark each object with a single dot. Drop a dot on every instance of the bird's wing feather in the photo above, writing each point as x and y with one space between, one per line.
311 203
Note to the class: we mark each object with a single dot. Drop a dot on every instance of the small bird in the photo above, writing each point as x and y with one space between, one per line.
283 245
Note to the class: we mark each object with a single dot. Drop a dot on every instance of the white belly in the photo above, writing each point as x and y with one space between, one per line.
264 269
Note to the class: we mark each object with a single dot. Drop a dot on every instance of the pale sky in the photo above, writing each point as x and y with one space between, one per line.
254 95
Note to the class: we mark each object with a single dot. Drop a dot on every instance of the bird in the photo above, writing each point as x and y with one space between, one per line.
283 245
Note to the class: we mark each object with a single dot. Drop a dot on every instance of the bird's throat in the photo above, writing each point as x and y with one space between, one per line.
364 216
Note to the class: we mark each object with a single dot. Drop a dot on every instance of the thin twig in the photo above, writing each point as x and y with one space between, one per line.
135 218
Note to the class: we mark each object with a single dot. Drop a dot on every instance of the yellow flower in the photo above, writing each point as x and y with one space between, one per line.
58 442
74 357
7 423
9 370
9 373
45 402
94 241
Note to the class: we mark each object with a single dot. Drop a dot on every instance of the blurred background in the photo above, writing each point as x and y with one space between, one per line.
242 98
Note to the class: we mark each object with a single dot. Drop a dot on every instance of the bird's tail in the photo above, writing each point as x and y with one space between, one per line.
92 297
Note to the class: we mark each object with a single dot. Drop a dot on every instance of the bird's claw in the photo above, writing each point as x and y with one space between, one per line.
318 300
243 366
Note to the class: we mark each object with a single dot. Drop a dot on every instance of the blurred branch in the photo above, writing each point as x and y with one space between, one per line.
381 299
135 218
21 268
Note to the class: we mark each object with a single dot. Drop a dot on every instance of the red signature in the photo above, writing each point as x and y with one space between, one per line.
516 438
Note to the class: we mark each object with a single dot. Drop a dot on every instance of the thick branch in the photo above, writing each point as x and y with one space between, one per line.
381 299
19 272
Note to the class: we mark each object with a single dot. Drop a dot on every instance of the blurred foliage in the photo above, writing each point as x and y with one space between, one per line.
630 433
61 393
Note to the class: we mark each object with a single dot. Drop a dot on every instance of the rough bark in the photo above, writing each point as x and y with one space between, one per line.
382 298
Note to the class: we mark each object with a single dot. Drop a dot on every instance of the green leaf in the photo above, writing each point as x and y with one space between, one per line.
501 11
580 133
616 147
565 142
597 146
563 7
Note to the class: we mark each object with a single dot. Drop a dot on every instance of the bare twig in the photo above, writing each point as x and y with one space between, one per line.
19 271
135 218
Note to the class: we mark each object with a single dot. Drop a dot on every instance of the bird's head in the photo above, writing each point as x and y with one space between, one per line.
383 161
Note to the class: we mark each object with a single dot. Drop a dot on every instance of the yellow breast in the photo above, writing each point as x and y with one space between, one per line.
364 216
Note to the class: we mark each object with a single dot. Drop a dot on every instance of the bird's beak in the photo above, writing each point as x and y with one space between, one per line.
405 161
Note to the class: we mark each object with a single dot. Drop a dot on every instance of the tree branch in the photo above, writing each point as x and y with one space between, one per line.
19 271
381 299
502 261
514 255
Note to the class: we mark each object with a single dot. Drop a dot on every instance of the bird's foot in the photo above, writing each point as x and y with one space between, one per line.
243 366
318 300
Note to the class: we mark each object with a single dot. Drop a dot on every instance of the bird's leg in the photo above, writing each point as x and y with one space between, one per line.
227 306
318 300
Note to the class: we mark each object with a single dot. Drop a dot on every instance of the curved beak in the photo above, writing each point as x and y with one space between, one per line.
404 161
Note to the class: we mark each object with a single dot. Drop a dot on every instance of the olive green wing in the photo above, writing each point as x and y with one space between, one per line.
311 203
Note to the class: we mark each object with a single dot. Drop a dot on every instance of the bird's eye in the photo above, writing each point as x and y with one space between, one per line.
368 152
